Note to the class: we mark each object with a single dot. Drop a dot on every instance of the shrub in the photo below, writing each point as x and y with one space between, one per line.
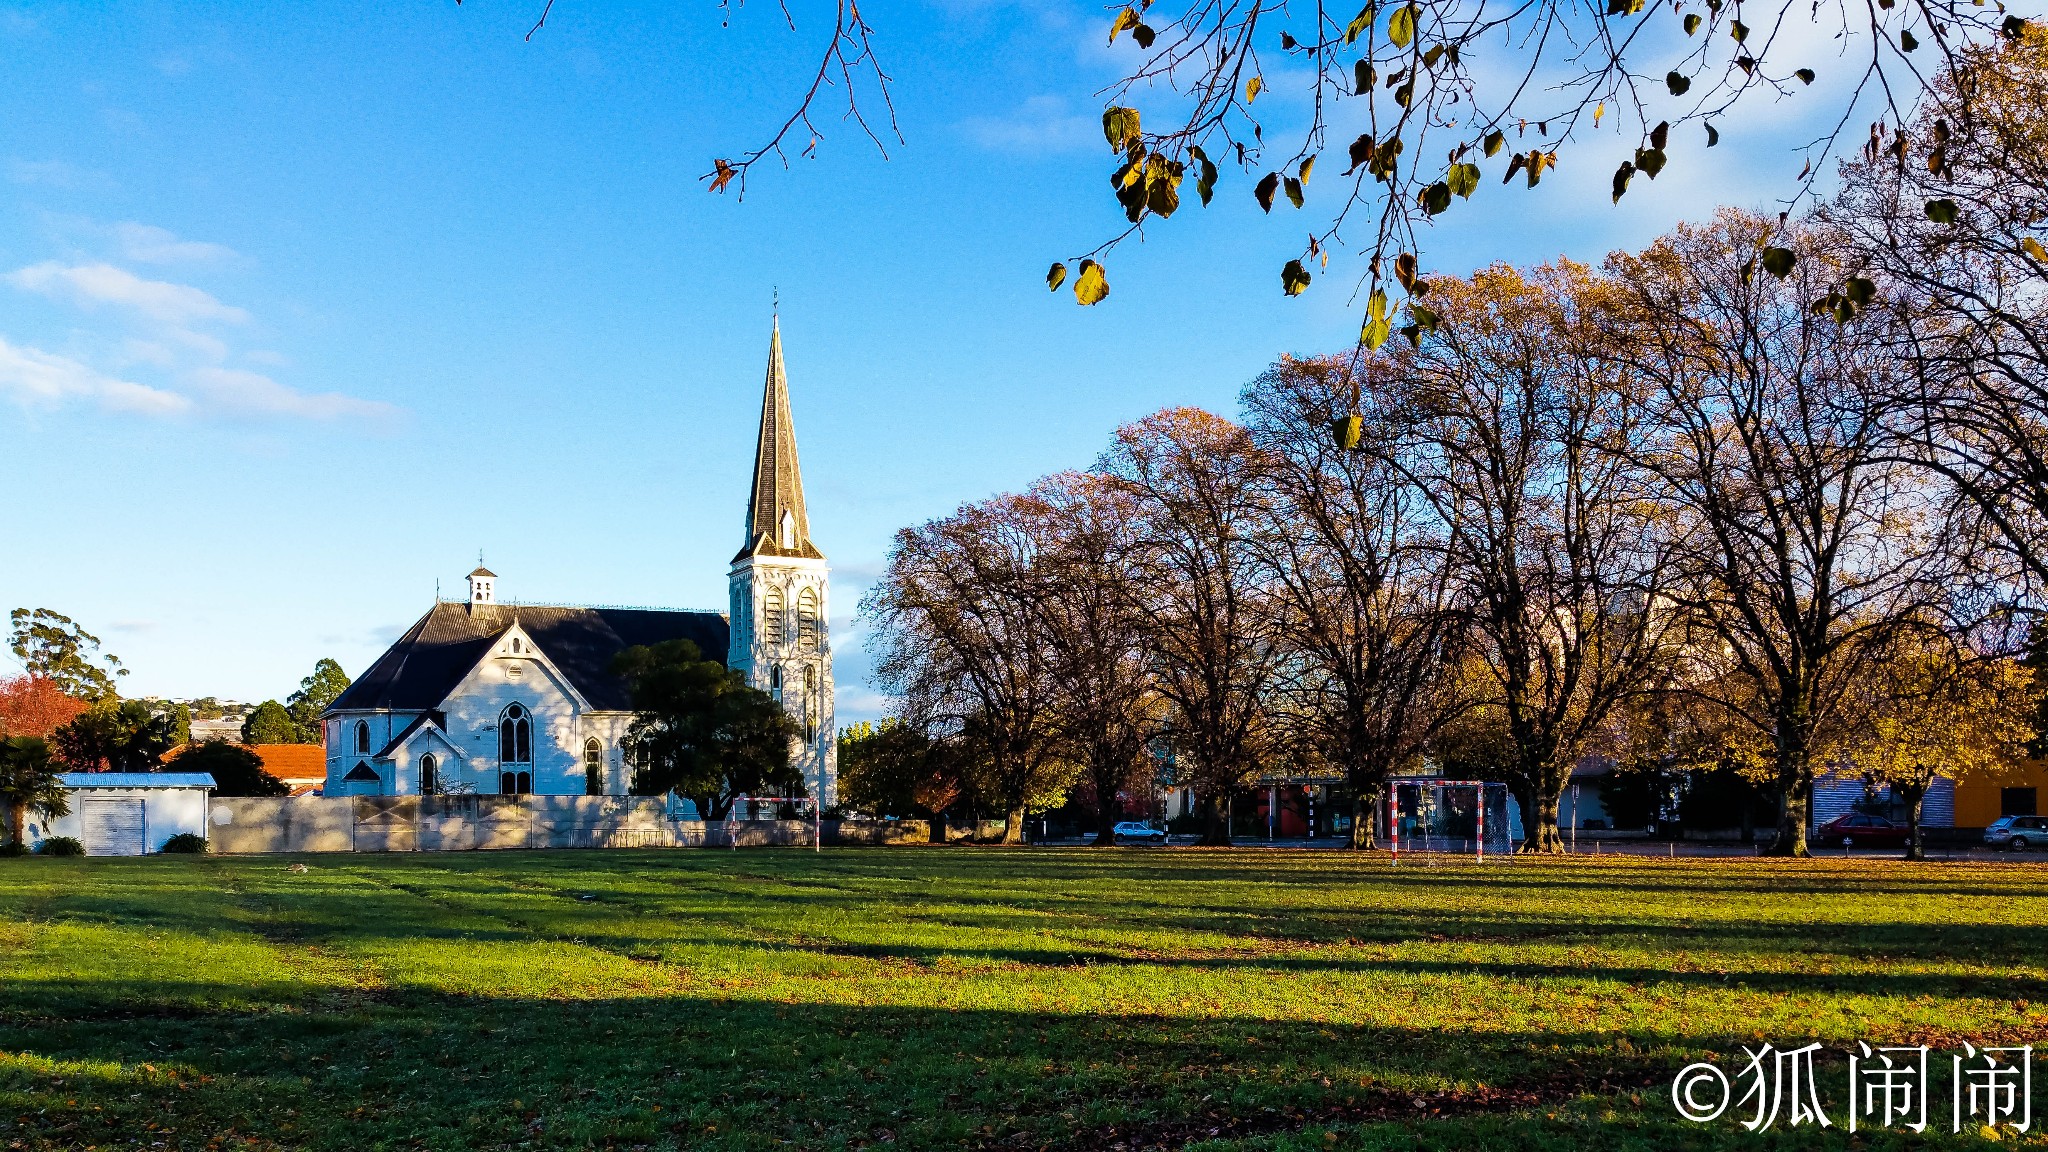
189 842
13 848
61 846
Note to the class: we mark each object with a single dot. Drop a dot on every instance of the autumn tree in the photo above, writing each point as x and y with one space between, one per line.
1106 712
1523 432
1934 707
1806 539
960 639
895 769
1376 121
1357 555
51 646
35 706
1195 576
1946 213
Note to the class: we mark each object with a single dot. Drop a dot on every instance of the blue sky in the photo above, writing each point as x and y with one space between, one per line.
302 306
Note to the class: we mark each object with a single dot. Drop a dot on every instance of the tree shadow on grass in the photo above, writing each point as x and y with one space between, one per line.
420 1069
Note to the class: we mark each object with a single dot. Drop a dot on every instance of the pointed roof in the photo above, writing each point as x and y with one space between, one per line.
778 482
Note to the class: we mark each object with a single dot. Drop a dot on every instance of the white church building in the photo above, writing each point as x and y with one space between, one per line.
484 697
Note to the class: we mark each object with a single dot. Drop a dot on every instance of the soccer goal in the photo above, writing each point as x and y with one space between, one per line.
1456 816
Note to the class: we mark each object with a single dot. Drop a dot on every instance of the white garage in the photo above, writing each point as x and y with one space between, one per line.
129 813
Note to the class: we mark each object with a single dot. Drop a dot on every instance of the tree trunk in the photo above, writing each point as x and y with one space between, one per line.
17 820
1914 795
938 828
1013 825
1543 835
1105 817
1795 798
1216 820
1365 810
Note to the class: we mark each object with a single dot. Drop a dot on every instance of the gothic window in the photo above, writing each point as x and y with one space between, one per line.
812 705
515 644
362 737
430 779
593 767
775 684
515 783
515 736
807 618
771 616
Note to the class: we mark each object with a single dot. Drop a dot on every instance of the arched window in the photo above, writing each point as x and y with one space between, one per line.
788 536
515 736
593 767
807 618
362 737
812 705
515 644
525 783
430 779
775 684
771 616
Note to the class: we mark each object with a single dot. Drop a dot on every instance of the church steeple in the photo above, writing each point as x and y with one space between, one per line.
776 523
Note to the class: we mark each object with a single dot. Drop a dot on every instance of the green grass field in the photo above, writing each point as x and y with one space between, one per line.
922 998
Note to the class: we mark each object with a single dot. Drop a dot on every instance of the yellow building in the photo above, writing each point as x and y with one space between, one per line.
2020 791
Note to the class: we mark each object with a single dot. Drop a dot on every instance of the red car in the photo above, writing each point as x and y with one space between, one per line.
1862 831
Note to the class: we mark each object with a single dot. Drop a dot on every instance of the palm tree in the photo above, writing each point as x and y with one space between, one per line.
28 780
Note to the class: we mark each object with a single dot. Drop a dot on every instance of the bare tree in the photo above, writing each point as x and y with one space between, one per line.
1107 712
1196 578
1807 541
1523 433
959 639
1355 553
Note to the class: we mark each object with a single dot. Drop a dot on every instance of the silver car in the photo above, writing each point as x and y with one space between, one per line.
2018 833
1130 831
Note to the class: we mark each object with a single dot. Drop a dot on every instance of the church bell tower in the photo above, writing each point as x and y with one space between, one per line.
779 592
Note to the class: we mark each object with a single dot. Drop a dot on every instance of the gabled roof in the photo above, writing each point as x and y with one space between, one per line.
419 671
778 482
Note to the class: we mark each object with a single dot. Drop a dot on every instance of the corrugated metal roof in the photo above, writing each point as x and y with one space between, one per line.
136 779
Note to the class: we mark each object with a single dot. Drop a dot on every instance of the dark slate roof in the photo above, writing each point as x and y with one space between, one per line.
427 662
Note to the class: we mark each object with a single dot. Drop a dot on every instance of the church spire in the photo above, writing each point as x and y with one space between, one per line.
776 524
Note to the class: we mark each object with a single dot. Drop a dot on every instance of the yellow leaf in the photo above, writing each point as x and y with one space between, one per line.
1091 286
2033 248
1252 88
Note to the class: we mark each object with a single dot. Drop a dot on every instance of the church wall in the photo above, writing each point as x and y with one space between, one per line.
481 698
339 732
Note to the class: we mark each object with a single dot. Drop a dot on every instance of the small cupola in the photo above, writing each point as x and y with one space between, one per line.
480 582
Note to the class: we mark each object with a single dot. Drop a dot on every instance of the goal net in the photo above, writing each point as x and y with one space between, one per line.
1467 816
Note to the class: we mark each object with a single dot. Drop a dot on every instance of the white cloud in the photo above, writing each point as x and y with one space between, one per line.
34 378
254 394
94 284
1041 124
153 245
54 174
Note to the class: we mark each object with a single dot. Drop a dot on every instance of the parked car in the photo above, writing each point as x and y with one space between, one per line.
1863 831
1131 831
2018 833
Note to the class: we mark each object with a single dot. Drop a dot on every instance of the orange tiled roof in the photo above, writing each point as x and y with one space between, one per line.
293 763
